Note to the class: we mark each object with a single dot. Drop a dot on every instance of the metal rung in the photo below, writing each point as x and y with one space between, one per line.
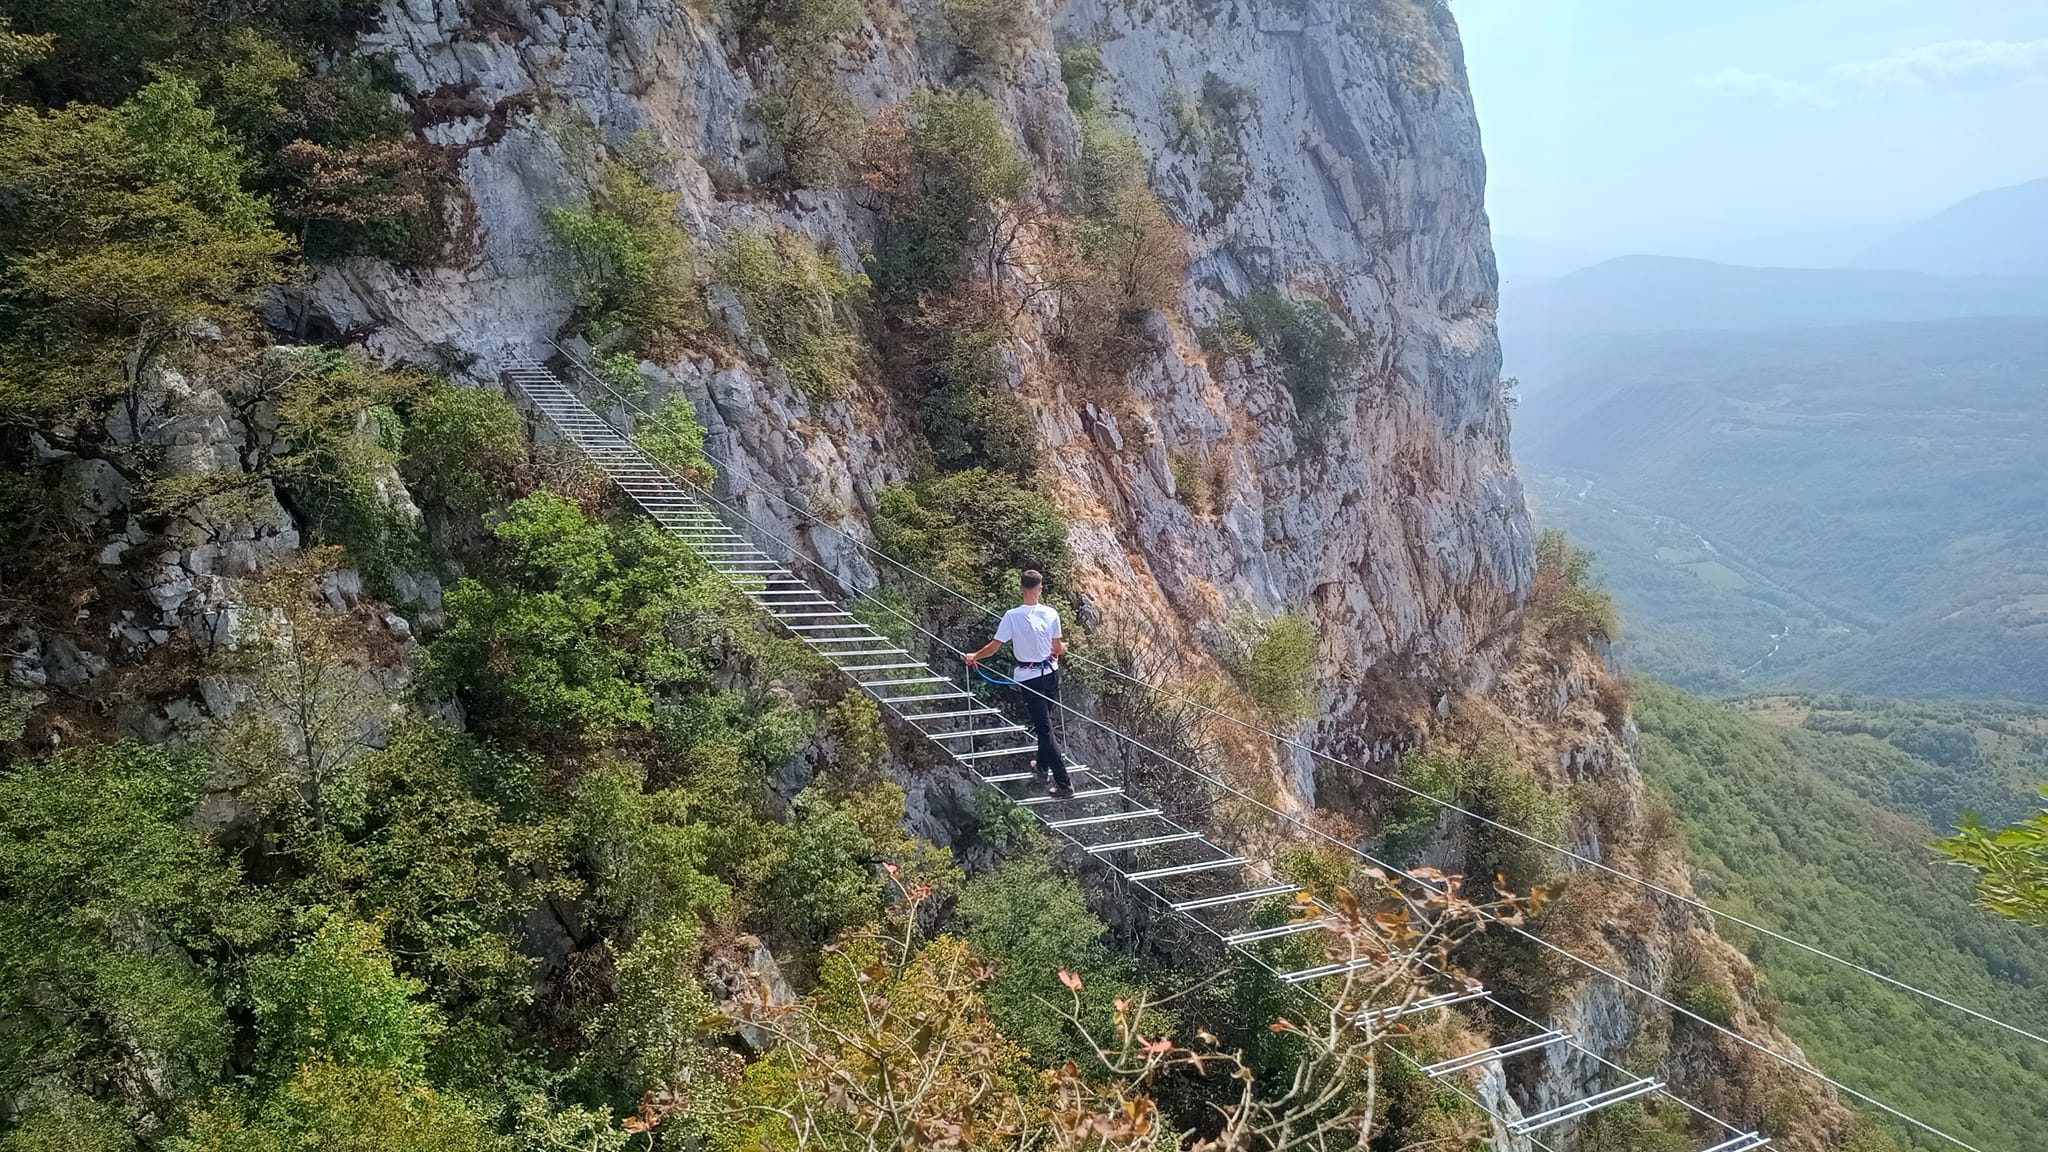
905 680
932 696
1587 1106
1747 1142
992 753
924 716
1005 730
1337 969
841 640
831 627
806 615
1009 777
1497 1052
1091 794
1234 897
1111 818
1394 1012
870 652
1142 842
1186 869
1257 934
881 667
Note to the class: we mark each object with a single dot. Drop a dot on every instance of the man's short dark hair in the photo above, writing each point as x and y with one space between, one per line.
1032 578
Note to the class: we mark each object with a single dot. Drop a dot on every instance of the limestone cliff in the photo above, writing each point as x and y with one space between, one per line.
1340 161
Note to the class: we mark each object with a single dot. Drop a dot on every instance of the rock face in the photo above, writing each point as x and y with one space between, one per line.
1324 147
1347 134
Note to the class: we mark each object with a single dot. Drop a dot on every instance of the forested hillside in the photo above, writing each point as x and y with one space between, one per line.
1811 816
1854 508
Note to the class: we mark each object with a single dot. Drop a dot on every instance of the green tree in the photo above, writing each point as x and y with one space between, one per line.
1315 354
673 437
464 448
111 909
959 164
121 232
581 623
336 997
1032 924
972 530
628 263
1566 602
330 1104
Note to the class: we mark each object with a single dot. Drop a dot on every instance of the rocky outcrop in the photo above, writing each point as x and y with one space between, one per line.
173 589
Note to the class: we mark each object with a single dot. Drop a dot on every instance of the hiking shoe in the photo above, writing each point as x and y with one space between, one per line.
1037 773
1060 791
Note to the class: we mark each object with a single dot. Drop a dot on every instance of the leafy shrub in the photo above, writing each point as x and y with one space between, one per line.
972 530
1411 822
645 864
331 1104
1190 480
336 997
93 841
1080 68
1493 784
1709 998
672 436
1139 253
1225 110
347 442
816 126
1565 602
1274 658
627 262
124 229
799 29
967 418
464 448
958 160
1032 923
799 301
809 116
580 623
986 31
1315 354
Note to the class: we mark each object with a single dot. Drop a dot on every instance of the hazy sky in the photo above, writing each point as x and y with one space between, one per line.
1679 126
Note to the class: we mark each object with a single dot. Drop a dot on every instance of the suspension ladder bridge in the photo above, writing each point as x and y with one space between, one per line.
1182 869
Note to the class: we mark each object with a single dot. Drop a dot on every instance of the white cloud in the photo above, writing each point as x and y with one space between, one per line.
1952 63
1762 85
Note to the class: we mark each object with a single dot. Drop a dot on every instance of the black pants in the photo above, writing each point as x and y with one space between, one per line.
1041 695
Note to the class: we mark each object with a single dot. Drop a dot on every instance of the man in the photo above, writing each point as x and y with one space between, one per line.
1032 630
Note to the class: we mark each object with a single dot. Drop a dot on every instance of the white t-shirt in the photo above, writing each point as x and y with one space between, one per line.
1030 629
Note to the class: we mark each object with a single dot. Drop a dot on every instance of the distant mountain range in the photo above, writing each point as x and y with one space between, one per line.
1541 320
1999 233
2003 232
